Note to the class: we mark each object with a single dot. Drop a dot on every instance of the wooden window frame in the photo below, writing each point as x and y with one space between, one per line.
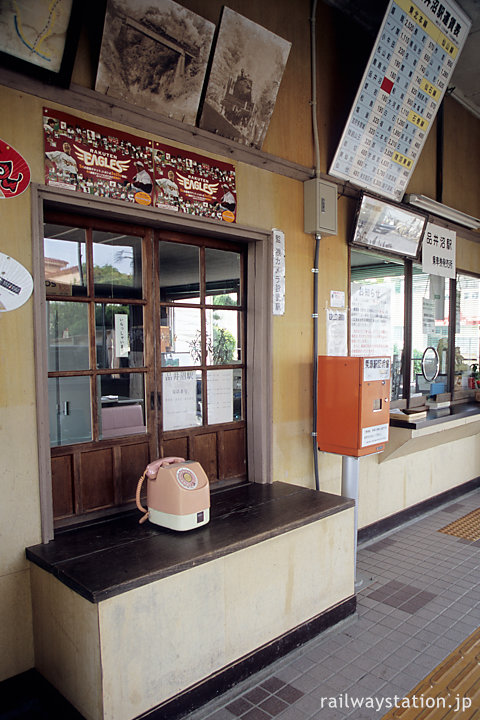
168 437
259 322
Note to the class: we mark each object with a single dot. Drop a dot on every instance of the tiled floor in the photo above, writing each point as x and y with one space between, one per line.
420 600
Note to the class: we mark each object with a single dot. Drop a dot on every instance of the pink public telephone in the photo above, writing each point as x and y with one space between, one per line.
178 494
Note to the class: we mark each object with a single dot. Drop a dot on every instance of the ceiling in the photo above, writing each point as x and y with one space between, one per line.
465 82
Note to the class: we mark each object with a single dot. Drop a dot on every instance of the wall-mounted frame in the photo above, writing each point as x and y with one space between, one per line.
38 41
385 226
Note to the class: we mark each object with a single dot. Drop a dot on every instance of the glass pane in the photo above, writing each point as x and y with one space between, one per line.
121 404
222 276
375 272
430 317
67 327
119 335
182 404
224 388
467 336
179 272
223 333
69 410
117 265
65 260
182 337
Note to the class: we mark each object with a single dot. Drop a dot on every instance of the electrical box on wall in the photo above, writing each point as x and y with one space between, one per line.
320 207
353 404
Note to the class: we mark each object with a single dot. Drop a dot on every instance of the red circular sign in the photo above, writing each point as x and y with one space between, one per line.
14 172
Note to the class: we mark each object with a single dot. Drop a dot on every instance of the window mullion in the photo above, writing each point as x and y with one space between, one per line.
203 320
92 336
452 324
407 341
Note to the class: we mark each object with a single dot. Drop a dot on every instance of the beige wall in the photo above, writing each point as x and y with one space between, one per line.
265 201
19 509
129 653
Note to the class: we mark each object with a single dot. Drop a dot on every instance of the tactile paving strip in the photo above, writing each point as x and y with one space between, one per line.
466 527
451 691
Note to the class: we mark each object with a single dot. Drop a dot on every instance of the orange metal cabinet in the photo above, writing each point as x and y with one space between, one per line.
353 404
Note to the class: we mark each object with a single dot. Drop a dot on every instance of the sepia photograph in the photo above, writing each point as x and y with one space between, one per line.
154 54
245 76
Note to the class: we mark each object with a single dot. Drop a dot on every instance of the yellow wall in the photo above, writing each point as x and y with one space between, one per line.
19 509
265 201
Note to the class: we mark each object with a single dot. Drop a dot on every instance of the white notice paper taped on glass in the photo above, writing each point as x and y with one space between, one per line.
179 400
370 320
220 396
122 342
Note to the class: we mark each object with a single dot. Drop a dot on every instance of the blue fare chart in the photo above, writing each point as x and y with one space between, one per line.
406 78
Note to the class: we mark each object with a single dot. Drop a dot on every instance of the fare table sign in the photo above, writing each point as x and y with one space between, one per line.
406 78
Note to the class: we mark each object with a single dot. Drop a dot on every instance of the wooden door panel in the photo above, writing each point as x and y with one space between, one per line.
178 447
133 461
233 461
62 487
203 447
97 480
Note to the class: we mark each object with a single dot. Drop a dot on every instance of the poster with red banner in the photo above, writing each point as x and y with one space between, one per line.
96 160
194 184
93 159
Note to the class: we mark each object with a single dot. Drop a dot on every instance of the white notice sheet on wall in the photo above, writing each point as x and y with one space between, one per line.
220 396
337 332
179 400
370 323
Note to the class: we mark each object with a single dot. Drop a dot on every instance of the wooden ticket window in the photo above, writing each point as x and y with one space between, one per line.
143 358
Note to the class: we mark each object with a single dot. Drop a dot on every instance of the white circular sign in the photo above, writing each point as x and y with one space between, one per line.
16 283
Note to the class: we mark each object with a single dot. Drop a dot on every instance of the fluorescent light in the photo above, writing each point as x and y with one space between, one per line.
436 208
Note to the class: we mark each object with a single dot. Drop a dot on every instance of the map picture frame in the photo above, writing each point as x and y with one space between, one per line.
31 62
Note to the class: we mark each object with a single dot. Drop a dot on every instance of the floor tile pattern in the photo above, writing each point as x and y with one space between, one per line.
419 601
451 691
467 527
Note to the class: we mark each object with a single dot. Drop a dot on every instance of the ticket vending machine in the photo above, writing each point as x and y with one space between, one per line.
353 414
353 404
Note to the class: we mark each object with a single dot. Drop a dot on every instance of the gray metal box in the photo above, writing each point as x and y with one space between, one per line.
320 207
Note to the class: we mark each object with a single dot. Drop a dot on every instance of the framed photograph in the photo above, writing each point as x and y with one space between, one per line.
154 54
39 38
244 79
382 225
